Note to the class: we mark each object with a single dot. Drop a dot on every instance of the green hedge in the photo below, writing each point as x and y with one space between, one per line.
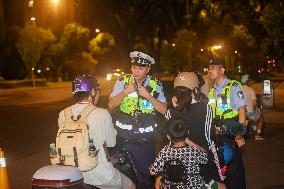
22 83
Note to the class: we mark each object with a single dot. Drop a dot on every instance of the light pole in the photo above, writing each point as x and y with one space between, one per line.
33 76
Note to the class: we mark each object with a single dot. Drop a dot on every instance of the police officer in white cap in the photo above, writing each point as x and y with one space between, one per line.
138 96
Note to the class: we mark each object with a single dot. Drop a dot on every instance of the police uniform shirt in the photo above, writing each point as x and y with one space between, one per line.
119 87
238 97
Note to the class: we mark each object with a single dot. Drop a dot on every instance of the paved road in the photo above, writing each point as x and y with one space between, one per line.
28 127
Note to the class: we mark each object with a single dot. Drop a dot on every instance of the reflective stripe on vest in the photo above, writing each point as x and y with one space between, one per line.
129 103
222 107
140 130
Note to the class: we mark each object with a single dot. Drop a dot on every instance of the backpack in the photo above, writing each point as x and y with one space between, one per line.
73 144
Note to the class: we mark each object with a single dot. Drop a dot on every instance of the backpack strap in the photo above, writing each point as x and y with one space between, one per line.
84 114
68 113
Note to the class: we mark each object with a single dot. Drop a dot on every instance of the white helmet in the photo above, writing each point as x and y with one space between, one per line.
57 176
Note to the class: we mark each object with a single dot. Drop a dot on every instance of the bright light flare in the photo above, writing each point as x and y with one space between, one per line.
108 77
217 47
31 3
55 2
33 18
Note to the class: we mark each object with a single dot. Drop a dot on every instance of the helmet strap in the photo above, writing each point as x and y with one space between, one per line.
93 98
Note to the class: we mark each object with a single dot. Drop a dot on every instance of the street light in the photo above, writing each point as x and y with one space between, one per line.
31 3
236 52
217 47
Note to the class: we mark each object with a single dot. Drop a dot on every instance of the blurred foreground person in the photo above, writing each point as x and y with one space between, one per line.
253 111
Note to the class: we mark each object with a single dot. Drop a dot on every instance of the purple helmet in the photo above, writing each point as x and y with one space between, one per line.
85 83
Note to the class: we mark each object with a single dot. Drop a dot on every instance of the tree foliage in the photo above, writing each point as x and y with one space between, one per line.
31 43
272 19
72 43
101 44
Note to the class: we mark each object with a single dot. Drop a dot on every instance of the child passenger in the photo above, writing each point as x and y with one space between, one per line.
177 164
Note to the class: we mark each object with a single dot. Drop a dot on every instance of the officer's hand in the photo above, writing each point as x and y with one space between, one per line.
143 92
240 141
130 88
174 101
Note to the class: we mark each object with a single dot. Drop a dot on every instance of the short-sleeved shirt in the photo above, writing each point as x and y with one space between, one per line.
190 156
251 96
101 130
238 97
119 87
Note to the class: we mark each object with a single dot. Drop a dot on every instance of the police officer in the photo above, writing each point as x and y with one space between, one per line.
228 102
138 95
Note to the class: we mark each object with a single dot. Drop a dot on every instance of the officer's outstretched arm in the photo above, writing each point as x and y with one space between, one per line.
242 114
242 119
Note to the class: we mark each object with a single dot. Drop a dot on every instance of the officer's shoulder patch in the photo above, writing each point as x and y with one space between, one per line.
240 94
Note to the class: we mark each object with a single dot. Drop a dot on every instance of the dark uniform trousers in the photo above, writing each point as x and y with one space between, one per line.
143 155
236 172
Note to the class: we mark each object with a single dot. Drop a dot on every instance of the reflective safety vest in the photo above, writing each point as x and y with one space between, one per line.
129 104
222 107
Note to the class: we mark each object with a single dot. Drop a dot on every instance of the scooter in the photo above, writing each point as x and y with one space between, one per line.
69 177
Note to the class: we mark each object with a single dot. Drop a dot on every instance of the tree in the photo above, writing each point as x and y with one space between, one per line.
11 65
82 63
101 44
72 43
31 43
272 18
179 55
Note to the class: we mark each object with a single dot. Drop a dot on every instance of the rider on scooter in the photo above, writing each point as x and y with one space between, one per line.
86 90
